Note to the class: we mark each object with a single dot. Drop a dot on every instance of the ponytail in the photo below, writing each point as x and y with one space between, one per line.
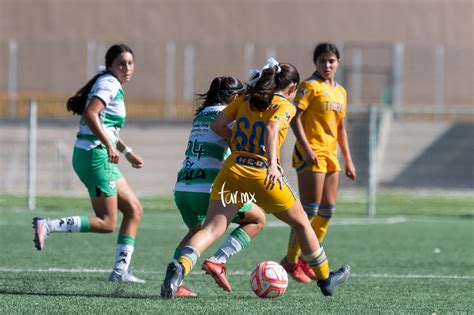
268 81
77 103
261 94
220 92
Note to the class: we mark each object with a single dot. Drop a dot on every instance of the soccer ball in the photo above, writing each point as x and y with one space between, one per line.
269 280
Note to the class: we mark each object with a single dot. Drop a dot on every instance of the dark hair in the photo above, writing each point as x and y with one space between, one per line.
77 103
322 48
220 91
270 81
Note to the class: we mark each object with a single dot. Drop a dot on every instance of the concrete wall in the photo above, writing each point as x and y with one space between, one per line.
418 155
52 38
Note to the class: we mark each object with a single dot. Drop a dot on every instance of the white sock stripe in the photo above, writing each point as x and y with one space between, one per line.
316 258
229 248
191 253
310 212
327 210
235 243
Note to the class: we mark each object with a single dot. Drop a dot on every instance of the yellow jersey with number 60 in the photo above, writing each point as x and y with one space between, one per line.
248 158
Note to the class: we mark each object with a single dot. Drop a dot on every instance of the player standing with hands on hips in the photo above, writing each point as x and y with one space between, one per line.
319 127
96 155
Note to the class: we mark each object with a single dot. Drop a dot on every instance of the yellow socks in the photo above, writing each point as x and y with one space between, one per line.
320 227
188 258
320 223
294 250
319 263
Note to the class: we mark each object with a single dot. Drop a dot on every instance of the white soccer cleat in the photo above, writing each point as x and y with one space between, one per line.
41 227
124 277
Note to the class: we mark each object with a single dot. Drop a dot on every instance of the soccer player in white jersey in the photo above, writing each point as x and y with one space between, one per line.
96 155
205 154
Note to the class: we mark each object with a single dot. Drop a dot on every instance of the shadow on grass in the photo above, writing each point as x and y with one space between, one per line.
118 294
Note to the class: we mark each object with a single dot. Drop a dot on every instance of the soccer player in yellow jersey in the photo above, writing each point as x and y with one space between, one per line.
253 173
319 127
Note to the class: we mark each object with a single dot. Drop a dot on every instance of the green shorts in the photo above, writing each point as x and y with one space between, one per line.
193 207
95 171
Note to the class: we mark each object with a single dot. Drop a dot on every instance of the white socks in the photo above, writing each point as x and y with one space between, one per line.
229 248
69 224
123 256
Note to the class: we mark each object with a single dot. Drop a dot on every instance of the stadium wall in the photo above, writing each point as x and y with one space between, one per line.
52 37
420 153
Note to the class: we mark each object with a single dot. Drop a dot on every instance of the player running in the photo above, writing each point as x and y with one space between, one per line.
96 155
262 118
205 154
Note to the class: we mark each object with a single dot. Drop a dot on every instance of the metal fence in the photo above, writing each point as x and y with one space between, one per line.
168 73
414 148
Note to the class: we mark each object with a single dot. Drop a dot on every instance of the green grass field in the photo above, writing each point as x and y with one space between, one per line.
416 256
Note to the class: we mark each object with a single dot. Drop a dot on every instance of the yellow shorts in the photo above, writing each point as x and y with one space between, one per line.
230 188
325 164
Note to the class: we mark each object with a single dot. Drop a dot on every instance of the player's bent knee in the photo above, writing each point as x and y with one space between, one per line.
260 226
106 226
138 211
261 221
108 229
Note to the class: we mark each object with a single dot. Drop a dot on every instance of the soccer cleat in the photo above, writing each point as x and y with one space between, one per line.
173 279
185 292
307 269
40 225
124 277
217 271
295 271
336 278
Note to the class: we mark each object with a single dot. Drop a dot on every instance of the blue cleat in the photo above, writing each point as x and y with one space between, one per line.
336 278
173 279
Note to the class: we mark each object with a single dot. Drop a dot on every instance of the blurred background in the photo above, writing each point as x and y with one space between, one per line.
408 67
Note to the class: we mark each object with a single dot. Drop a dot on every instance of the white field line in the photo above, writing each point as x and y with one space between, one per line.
271 224
236 272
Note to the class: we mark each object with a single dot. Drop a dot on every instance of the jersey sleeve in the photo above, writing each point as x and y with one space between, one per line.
304 95
344 106
106 89
231 109
283 113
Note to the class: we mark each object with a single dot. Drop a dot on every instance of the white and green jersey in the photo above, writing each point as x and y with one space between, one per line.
205 154
109 90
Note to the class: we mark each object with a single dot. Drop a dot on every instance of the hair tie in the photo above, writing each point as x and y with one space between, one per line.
255 74
272 63
278 69
102 69
232 90
254 77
